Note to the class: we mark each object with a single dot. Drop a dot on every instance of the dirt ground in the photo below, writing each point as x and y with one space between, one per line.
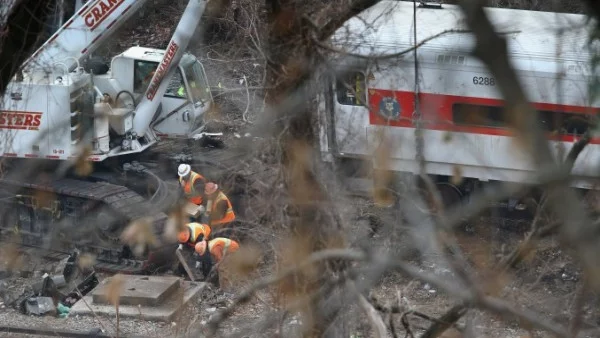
546 282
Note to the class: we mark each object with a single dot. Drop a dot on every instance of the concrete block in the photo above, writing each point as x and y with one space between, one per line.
173 299
139 290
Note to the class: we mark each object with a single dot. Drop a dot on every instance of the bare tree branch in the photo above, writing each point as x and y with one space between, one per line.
380 331
24 26
492 50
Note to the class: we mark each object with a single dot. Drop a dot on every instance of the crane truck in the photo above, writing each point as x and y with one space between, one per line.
56 111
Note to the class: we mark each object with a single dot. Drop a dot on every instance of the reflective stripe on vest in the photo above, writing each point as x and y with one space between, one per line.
197 229
229 215
189 189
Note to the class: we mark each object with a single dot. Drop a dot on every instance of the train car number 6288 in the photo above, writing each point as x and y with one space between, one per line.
484 81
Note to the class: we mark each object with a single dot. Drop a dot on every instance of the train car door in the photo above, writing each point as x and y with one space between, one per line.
351 113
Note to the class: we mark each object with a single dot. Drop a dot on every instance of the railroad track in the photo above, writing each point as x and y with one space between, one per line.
44 332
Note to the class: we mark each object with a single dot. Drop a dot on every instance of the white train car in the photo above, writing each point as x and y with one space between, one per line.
460 104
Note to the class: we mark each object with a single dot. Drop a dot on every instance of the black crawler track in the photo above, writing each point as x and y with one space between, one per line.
90 215
76 206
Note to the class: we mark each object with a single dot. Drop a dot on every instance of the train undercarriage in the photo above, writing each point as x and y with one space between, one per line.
516 212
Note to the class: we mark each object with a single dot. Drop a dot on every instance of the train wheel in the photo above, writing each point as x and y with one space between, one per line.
449 193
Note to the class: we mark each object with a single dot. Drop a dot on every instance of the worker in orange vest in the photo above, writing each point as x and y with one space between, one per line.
218 248
218 208
193 185
192 234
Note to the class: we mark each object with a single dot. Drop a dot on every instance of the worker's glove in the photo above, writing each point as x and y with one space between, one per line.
201 209
180 247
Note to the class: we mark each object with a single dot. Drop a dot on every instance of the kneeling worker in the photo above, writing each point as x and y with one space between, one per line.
218 208
193 185
193 233
190 236
218 248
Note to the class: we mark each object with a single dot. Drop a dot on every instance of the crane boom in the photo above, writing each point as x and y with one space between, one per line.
87 29
160 80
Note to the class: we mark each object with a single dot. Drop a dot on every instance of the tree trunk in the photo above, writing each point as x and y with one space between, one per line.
292 58
18 38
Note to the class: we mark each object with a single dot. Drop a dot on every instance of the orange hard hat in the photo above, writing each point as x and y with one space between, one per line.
200 247
210 188
184 236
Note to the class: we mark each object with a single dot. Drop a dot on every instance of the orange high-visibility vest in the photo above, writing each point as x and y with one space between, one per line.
229 214
220 246
188 188
197 229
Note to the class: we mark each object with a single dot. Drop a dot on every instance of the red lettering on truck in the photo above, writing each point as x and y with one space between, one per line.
162 70
20 120
99 12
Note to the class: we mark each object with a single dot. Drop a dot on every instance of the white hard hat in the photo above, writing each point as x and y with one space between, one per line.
183 170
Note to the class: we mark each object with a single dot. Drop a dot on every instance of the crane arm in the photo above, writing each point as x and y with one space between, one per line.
87 29
158 85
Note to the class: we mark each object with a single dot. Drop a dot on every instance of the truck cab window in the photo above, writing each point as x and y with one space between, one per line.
196 79
176 86
142 74
351 89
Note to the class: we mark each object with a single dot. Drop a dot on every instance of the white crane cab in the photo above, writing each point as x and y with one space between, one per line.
184 103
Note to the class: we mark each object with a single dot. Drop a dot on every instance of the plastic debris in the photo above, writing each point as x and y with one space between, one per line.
63 311
39 306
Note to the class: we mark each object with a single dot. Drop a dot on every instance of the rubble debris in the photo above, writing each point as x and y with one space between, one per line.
67 266
40 306
25 273
34 298
63 311
49 285
4 274
83 288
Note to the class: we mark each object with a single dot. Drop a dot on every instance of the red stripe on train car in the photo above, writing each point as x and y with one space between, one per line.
31 156
436 111
53 157
10 155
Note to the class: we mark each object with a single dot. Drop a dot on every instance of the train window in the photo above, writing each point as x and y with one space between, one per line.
568 123
493 116
351 89
475 115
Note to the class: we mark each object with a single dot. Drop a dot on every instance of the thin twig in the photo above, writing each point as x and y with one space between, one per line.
379 329
93 312
580 299
246 295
